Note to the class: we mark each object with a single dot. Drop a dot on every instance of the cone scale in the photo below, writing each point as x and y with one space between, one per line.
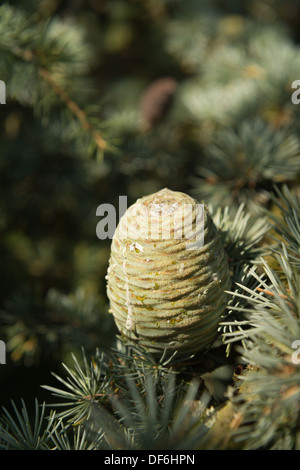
165 288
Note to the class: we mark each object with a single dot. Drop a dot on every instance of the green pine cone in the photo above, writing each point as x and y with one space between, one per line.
166 288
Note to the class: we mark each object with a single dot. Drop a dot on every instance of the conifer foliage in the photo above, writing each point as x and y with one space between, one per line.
128 97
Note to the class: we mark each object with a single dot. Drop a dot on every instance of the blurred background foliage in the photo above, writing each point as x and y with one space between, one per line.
125 97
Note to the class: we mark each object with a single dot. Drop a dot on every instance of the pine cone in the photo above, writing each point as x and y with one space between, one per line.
157 100
167 292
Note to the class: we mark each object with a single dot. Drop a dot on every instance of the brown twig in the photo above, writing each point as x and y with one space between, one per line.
272 293
29 56
268 292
